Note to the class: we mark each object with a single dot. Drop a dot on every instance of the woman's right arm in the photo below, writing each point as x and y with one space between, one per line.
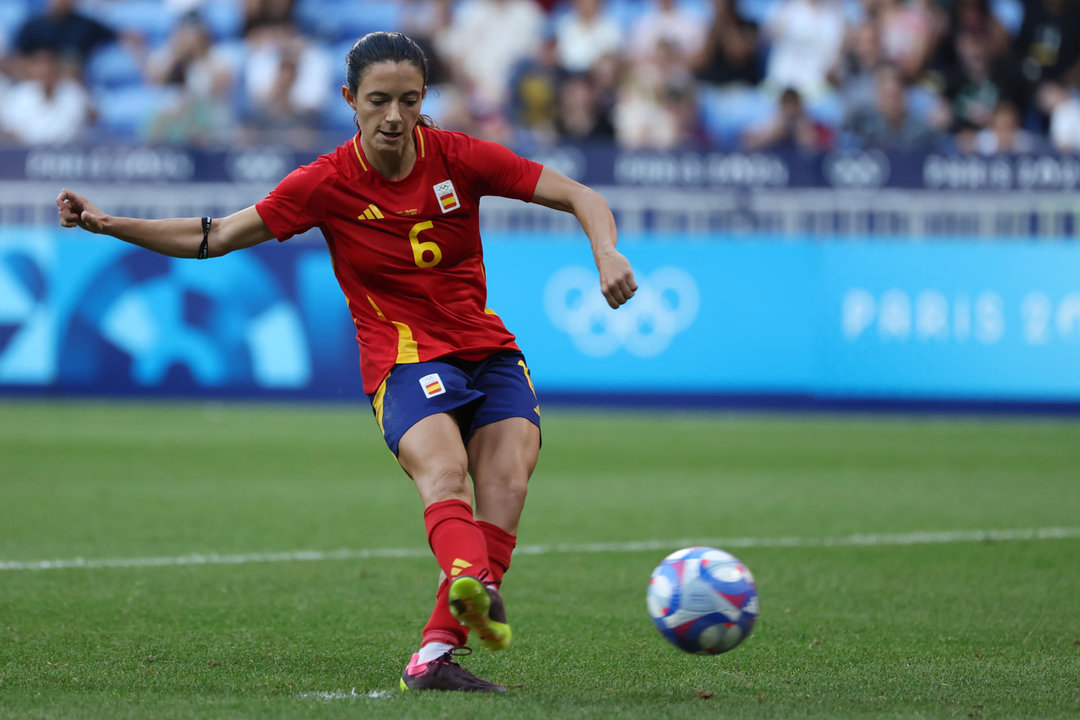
175 237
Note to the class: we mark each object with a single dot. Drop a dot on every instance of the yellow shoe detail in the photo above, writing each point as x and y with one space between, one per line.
470 603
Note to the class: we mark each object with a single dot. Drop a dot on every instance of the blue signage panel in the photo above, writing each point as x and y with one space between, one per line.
948 319
951 319
91 314
708 316
592 164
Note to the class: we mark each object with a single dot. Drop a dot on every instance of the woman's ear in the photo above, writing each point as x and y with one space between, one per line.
347 94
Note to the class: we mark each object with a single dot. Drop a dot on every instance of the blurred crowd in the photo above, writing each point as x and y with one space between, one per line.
979 76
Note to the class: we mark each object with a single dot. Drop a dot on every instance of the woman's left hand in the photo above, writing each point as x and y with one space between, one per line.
616 277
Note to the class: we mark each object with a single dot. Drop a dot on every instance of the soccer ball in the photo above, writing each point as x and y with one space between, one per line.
703 600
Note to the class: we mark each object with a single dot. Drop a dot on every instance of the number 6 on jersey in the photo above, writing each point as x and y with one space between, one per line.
419 248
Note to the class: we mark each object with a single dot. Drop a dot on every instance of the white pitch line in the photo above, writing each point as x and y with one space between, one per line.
374 694
858 540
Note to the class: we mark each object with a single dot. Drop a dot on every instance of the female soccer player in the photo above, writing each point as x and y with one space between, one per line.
397 204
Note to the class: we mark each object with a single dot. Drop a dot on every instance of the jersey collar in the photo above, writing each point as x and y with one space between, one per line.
418 139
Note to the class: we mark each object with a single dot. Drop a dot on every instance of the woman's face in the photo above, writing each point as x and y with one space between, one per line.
387 104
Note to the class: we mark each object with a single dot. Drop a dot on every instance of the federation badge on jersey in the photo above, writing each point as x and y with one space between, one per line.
448 199
432 385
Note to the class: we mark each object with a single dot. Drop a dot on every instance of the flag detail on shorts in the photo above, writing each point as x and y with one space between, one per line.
448 199
432 385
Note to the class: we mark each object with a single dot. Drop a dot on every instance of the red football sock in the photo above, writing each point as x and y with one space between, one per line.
500 546
457 542
459 547
442 626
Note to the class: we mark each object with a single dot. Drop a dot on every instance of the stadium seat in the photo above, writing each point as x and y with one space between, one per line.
340 20
922 102
726 112
12 15
225 19
339 50
126 111
145 17
701 9
626 12
1009 13
234 52
756 10
337 117
113 66
827 109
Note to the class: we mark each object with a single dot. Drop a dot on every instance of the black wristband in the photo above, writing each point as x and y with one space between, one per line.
204 249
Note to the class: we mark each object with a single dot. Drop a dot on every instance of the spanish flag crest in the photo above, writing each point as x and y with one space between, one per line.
432 385
446 195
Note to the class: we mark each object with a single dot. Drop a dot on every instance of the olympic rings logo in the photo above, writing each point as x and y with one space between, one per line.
666 304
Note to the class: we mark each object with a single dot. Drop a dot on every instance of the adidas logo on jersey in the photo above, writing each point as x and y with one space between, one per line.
371 213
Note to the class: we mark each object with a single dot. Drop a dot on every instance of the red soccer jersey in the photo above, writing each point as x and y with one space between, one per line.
407 253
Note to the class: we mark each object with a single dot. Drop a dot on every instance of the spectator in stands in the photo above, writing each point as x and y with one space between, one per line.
424 20
201 112
790 128
977 83
579 115
977 17
805 38
1048 44
855 76
729 54
47 108
288 81
180 8
62 29
6 66
605 76
266 13
584 34
534 91
486 39
1004 135
656 107
911 31
889 124
665 28
1062 106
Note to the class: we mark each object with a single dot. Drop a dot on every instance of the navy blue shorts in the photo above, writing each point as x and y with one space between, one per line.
476 393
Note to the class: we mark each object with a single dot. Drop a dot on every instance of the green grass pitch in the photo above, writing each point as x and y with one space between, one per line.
904 623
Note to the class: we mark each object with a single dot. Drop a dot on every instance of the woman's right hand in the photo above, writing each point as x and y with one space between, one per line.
76 211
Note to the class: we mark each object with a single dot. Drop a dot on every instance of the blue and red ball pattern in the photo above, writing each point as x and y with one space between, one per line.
703 600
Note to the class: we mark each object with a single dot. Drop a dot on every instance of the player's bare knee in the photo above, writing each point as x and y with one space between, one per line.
516 489
450 483
500 499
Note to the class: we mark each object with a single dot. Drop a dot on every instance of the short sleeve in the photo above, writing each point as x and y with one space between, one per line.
288 210
499 171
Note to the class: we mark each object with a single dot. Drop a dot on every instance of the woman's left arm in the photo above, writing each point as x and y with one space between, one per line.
555 190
